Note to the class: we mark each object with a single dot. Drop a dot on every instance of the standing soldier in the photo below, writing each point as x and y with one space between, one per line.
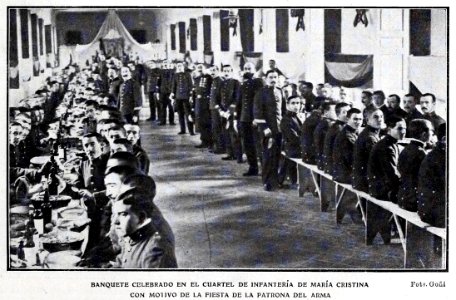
165 91
229 91
214 103
202 113
130 99
181 89
153 90
114 83
249 87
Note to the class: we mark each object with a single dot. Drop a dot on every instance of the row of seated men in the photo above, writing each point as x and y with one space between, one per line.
127 229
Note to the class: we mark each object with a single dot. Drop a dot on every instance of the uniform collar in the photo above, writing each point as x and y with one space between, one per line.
143 232
419 143
372 129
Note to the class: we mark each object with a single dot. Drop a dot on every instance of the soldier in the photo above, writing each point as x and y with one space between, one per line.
249 87
428 103
229 93
133 135
165 91
114 83
307 139
19 152
366 99
378 98
202 91
130 100
267 111
214 104
181 88
420 132
153 89
409 104
394 107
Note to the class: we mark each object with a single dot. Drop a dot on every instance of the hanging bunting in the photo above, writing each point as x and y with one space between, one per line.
361 17
299 13
261 21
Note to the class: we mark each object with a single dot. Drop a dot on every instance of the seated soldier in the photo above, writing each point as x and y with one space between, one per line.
432 183
420 132
307 132
133 135
291 130
328 118
115 132
90 122
145 244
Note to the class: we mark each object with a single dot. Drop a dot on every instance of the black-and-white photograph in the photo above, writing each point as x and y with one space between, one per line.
227 138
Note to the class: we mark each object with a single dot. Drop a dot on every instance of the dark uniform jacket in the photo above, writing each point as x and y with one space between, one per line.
20 155
319 140
153 80
249 87
399 112
431 187
310 102
114 87
435 119
91 174
229 94
307 137
409 165
50 106
412 115
143 159
90 125
363 146
166 81
266 109
368 109
382 173
129 97
329 144
202 96
291 132
214 102
343 154
151 246
182 85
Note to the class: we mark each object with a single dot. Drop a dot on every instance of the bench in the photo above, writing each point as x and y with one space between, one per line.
412 238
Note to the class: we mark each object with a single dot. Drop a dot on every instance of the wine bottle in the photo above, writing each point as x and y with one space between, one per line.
46 209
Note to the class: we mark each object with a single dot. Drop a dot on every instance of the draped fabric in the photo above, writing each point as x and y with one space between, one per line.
173 36
36 62
182 40
282 30
193 35
48 38
25 33
246 21
348 70
207 33
40 34
333 31
13 51
114 27
224 31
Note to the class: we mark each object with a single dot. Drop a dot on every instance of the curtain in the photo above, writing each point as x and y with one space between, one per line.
246 21
193 35
182 40
349 70
207 33
333 31
282 30
173 36
36 62
224 31
40 34
13 51
25 33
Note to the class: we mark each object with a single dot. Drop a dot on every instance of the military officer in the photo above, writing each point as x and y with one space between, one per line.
229 94
130 100
153 75
202 92
428 103
167 75
214 104
181 89
249 86
409 104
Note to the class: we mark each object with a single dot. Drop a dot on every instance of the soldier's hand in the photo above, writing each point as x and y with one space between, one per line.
135 119
267 132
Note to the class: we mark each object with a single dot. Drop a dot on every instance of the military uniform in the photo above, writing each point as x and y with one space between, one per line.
398 112
229 94
268 107
329 145
363 146
319 140
307 137
165 90
435 119
181 87
153 90
143 159
114 88
202 111
412 115
409 166
244 109
431 187
151 246
129 99
216 122
291 131
20 155
383 178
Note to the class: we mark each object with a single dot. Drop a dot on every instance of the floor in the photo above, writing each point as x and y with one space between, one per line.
223 220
